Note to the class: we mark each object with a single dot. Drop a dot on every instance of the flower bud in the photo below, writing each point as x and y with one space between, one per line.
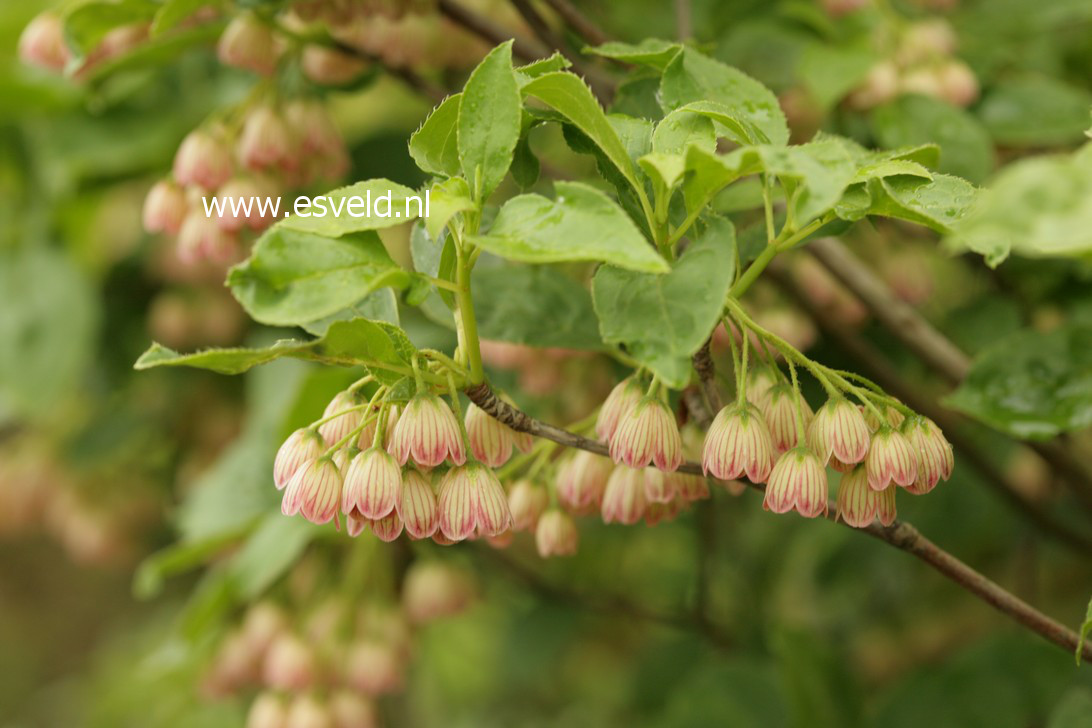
657 513
355 526
760 380
314 127
388 528
201 238
581 481
339 426
490 440
659 486
164 208
859 504
782 415
314 491
624 397
958 84
202 160
798 482
305 711
417 506
289 664
373 485
839 430
235 665
433 590
42 43
267 711
472 501
556 534
427 433
932 451
234 198
880 85
248 43
266 141
689 487
526 501
923 81
330 67
925 41
350 710
624 498
738 443
264 622
373 668
301 446
890 458
647 434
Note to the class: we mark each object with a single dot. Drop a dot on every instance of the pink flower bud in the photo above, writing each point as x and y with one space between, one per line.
264 622
266 141
839 430
527 501
760 380
355 526
624 498
880 85
933 452
388 528
373 485
689 487
890 458
235 197
267 711
782 416
556 534
926 40
798 482
659 487
305 711
301 446
248 43
738 443
472 501
164 208
923 81
350 710
657 513
582 480
330 67
647 434
427 433
314 491
624 397
490 441
202 160
859 504
373 668
433 590
289 664
235 666
42 43
201 238
314 127
417 506
336 429
958 84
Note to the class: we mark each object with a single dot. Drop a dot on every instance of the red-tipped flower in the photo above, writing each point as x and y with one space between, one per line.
839 431
164 208
859 504
624 397
427 433
582 480
527 501
340 425
890 459
782 416
248 43
798 482
738 443
647 434
373 485
417 506
624 499
202 160
387 528
932 451
266 141
490 440
314 491
556 534
301 446
472 501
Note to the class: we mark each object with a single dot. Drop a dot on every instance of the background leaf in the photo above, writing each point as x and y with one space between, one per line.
335 224
435 146
489 121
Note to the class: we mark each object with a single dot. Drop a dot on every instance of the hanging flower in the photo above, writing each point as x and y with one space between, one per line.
839 433
387 528
556 534
782 417
373 485
202 160
314 491
859 504
933 453
302 445
490 440
647 434
472 501
581 481
427 433
248 43
624 498
527 501
417 506
798 482
738 443
890 458
337 428
619 402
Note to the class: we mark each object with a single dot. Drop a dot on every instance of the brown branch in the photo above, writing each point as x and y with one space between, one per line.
408 76
527 49
901 535
576 20
684 19
601 85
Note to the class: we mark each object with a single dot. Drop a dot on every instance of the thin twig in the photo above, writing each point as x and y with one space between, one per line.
525 48
601 85
407 75
901 535
576 20
684 19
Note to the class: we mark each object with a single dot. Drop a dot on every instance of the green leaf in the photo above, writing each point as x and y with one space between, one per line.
381 305
652 52
830 72
293 278
269 552
173 12
694 77
581 224
966 149
940 203
380 346
535 306
370 205
434 146
1031 384
447 199
525 166
1084 631
662 320
1035 112
489 121
556 62
434 256
88 23
571 97
1073 709
179 558
681 129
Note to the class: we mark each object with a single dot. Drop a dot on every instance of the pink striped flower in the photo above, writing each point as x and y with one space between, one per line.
248 43
472 501
329 67
164 208
624 499
202 160
689 487
266 141
301 446
526 501
798 482
355 526
373 668
314 491
760 382
387 528
490 440
427 433
581 481
839 433
289 664
624 397
556 534
340 426
782 416
657 513
417 506
859 504
647 434
890 458
933 453
373 485
738 443
659 486
435 589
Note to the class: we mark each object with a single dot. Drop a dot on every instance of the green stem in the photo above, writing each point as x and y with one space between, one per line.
799 400
469 323
769 252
